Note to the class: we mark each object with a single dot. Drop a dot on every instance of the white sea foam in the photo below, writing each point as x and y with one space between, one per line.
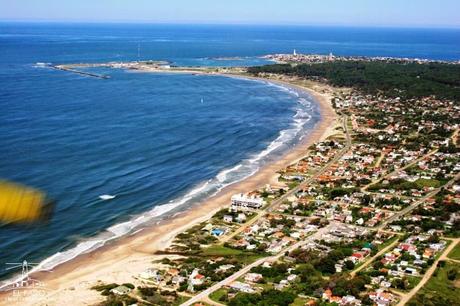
224 178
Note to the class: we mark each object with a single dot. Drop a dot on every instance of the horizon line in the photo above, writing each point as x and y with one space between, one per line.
293 24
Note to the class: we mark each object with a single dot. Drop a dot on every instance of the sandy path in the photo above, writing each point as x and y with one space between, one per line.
406 298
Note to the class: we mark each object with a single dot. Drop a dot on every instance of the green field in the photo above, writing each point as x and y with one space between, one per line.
216 295
440 290
455 253
219 250
180 300
243 257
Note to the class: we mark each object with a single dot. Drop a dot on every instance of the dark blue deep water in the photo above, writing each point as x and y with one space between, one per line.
159 142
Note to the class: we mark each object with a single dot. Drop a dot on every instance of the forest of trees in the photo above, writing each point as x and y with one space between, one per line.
392 79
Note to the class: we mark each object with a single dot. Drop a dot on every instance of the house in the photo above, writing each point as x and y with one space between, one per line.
173 272
242 287
198 279
150 274
407 247
253 277
350 300
228 218
381 297
224 268
241 218
411 271
327 294
282 284
291 277
357 257
338 268
176 280
121 290
242 201
428 253
438 246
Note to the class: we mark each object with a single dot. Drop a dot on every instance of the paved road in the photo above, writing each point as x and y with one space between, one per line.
406 298
204 294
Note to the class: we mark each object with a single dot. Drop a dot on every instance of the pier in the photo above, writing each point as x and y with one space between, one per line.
94 75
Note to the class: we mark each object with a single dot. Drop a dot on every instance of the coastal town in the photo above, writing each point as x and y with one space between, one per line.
297 58
368 216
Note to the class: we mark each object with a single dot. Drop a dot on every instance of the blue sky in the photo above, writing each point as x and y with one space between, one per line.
411 13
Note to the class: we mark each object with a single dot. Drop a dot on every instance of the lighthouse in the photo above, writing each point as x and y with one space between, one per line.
294 53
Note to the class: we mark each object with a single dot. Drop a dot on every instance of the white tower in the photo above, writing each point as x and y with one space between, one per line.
294 53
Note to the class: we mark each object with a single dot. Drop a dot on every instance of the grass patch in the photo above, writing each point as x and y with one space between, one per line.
180 300
440 290
244 257
299 302
428 183
220 250
217 295
455 253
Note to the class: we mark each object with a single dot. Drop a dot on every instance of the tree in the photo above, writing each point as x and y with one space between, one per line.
452 274
349 265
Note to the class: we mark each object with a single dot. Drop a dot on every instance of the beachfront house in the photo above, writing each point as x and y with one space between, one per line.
242 201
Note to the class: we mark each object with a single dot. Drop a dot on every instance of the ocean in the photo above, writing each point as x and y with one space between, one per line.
158 142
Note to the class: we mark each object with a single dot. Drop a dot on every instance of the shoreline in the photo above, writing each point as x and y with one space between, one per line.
130 255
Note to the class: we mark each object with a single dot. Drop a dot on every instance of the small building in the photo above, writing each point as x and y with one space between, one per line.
176 280
224 268
228 218
241 218
198 279
121 290
253 277
239 286
150 274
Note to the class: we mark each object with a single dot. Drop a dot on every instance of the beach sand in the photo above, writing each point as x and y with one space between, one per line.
70 283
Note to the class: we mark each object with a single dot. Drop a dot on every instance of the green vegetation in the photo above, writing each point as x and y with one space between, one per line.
156 296
105 288
219 250
400 184
299 302
455 253
443 288
269 297
405 80
219 295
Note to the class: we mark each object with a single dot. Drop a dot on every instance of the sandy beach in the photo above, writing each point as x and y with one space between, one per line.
69 283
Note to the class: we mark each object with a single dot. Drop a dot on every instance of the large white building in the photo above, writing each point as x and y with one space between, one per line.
242 201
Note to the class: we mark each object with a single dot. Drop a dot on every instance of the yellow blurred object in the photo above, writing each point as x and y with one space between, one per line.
20 204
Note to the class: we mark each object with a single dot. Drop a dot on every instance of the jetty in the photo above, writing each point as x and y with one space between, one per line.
90 74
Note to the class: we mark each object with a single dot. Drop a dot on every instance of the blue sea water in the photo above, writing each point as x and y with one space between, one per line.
159 142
